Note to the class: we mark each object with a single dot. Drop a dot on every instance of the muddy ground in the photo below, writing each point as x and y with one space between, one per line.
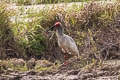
108 70
68 75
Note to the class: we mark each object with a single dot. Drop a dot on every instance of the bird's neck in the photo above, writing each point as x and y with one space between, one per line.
59 32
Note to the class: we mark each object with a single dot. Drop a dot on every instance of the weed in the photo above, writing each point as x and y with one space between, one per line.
29 2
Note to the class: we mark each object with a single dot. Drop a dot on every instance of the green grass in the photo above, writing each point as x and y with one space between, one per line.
30 36
5 31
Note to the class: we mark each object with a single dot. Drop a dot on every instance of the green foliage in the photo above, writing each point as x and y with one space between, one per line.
36 43
6 35
30 36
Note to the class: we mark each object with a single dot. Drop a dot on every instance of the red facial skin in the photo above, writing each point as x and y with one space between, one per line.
57 24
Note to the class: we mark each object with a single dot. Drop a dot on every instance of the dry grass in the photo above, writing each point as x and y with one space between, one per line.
86 24
31 2
94 27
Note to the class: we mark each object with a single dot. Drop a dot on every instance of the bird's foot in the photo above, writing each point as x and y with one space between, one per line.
65 64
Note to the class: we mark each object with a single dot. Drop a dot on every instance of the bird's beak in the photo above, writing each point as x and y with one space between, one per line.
50 29
49 32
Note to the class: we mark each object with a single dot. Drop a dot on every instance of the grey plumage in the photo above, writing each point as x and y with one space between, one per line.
65 42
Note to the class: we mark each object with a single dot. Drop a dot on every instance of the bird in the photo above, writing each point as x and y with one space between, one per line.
65 42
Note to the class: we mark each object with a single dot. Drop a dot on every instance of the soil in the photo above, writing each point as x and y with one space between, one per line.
109 70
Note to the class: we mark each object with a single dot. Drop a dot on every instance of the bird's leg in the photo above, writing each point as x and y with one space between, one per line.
65 54
66 57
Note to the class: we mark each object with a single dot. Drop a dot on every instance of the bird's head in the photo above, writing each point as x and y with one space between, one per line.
57 24
54 27
50 30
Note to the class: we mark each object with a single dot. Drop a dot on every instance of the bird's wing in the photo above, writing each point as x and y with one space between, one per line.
71 44
68 38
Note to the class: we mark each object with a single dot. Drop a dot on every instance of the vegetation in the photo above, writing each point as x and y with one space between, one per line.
24 45
94 27
29 35
29 2
5 31
6 34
